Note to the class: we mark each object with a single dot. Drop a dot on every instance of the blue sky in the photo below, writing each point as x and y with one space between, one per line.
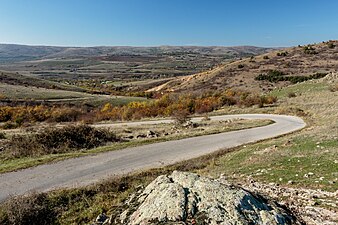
168 22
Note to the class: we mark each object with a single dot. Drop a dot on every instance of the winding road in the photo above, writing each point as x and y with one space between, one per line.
89 169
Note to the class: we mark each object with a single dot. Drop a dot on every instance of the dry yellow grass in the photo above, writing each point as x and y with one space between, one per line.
241 73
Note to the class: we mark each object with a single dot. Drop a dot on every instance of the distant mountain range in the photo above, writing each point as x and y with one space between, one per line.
17 53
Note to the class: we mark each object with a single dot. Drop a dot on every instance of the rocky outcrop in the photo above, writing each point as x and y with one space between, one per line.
192 199
303 202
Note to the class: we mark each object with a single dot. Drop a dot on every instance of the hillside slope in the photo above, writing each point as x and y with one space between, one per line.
23 80
296 61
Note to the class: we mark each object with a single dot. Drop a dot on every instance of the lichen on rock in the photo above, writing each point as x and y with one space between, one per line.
193 199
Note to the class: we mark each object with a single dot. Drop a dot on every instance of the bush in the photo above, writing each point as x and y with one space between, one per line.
30 210
240 66
10 125
291 94
265 57
181 116
333 88
282 53
331 45
66 139
309 49
275 76
2 135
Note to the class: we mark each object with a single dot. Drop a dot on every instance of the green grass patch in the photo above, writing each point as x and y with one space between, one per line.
301 88
306 161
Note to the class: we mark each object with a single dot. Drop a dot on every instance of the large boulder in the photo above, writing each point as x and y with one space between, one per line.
190 198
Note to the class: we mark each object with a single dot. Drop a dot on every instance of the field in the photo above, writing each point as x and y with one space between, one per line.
42 95
87 66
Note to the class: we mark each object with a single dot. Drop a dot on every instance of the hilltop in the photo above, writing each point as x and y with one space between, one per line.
264 72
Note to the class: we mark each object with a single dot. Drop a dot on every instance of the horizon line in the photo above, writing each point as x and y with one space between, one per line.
139 46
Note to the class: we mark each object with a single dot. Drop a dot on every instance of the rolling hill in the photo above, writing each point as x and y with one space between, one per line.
264 72
23 80
71 64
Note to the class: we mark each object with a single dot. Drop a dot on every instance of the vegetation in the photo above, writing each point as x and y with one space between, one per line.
25 81
333 87
309 49
331 45
17 115
2 135
58 140
135 136
167 105
283 159
285 53
170 104
275 76
292 94
37 209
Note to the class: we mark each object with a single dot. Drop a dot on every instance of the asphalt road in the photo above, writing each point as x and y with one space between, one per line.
89 169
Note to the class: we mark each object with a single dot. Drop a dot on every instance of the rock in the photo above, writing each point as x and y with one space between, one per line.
182 197
129 137
189 124
141 136
151 134
102 219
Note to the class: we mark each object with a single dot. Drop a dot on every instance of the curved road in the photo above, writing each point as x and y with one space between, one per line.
89 169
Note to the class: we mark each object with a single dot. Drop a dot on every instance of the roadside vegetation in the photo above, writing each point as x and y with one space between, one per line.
59 140
165 106
305 159
34 146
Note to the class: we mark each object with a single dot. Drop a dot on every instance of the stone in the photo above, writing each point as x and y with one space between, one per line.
141 136
150 133
102 219
182 197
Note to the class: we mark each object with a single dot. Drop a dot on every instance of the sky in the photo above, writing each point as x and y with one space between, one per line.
269 23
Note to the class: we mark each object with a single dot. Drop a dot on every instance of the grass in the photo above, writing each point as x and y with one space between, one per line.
11 164
313 149
30 92
272 161
17 92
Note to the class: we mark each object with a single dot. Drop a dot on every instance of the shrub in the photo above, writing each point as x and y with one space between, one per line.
276 76
2 135
309 49
181 116
333 88
52 140
331 45
10 125
28 210
291 94
265 57
282 53
240 66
